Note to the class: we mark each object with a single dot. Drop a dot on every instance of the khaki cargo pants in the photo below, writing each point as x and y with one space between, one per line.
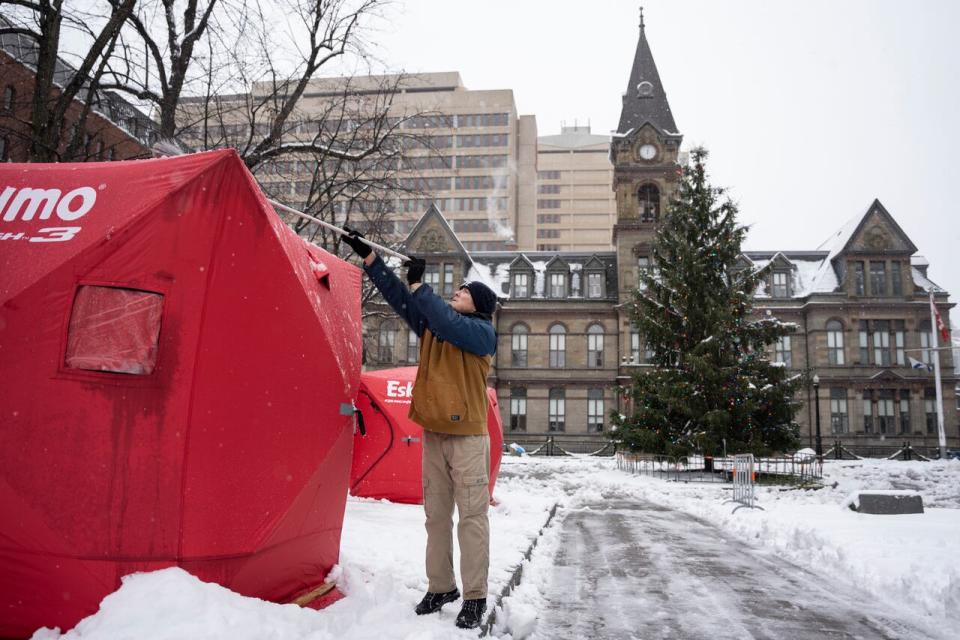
456 470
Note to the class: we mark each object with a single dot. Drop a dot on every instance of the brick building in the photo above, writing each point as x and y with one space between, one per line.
114 130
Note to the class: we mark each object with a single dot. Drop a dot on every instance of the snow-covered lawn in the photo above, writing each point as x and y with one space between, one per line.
911 562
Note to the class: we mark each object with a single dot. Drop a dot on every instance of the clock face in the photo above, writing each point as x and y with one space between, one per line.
648 152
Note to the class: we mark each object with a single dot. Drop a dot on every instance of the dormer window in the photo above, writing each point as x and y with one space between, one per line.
781 286
595 285
521 285
558 285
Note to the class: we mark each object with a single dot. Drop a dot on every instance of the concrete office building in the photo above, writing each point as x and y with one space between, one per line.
576 207
475 156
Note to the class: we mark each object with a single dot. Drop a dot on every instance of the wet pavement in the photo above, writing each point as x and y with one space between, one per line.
633 569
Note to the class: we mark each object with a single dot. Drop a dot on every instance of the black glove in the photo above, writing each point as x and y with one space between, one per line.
352 238
415 268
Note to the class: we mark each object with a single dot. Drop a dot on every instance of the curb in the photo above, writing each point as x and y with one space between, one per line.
517 575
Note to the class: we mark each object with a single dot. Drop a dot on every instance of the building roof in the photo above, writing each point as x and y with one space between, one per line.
646 103
575 137
816 271
493 267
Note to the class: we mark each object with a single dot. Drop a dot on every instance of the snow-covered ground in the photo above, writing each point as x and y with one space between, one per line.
911 562
381 573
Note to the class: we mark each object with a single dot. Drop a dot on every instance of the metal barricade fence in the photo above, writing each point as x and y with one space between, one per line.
744 479
789 470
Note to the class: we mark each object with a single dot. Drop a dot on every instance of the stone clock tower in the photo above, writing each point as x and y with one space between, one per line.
644 152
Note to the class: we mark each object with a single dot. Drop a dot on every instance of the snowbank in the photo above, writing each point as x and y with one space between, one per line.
381 573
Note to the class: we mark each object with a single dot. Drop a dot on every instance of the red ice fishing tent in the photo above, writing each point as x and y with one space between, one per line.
387 460
173 365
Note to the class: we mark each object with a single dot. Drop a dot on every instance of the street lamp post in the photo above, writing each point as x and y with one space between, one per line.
816 404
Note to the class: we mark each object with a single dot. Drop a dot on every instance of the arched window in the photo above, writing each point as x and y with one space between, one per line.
386 340
4 149
558 346
835 342
595 346
518 345
648 198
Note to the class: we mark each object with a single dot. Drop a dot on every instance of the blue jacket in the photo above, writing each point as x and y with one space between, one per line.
450 393
423 309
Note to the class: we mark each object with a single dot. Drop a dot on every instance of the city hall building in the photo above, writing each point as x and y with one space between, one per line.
859 300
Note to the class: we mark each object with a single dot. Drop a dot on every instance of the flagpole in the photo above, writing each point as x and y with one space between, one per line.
934 334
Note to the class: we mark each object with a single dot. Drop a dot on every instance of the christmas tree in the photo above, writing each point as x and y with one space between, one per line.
711 379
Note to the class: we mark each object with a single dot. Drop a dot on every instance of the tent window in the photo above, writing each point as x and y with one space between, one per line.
115 330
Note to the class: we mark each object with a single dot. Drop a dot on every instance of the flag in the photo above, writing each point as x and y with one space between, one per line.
941 327
916 364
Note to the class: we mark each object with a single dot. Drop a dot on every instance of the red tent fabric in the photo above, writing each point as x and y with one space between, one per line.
173 361
387 460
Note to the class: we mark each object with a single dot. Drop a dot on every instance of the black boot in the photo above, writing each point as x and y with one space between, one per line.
471 614
433 602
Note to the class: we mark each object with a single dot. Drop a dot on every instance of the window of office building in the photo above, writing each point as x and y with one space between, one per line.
839 418
780 288
595 346
594 285
557 410
413 346
835 353
518 409
558 285
930 410
595 410
782 351
878 278
859 279
386 340
521 285
558 346
904 411
448 279
518 345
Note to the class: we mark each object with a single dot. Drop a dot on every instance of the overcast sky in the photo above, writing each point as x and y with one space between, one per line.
810 109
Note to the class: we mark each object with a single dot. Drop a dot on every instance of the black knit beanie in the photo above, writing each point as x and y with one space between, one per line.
484 299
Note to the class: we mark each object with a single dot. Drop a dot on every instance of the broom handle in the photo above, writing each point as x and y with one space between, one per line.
335 229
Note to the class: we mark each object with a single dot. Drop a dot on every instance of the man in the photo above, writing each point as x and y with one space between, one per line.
450 403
